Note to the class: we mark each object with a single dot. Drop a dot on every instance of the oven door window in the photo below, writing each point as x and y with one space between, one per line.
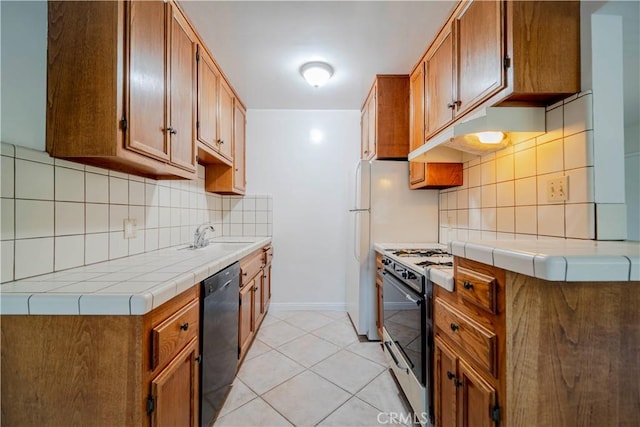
404 320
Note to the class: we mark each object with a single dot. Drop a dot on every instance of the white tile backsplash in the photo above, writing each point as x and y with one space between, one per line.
84 207
507 192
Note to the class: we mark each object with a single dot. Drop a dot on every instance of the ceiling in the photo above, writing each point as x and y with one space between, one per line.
260 45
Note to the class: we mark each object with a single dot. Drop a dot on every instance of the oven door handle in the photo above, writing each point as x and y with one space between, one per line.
395 358
402 291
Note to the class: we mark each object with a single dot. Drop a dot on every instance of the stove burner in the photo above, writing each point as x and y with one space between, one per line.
437 263
423 253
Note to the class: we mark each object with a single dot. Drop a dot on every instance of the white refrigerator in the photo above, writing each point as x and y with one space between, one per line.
384 210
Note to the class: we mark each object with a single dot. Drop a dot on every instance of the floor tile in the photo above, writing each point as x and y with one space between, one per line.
267 371
278 333
308 349
370 350
384 394
348 370
306 399
336 315
269 320
255 413
338 333
238 396
257 348
308 320
354 413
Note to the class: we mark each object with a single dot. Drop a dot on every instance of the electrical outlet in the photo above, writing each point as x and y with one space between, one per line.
130 228
558 189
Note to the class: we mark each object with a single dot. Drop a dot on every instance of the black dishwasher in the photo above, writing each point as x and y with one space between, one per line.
218 340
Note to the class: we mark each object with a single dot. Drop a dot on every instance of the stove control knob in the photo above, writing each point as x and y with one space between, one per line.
386 261
404 274
410 275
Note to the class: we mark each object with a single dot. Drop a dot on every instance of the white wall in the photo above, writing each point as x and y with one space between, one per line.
309 185
24 73
632 178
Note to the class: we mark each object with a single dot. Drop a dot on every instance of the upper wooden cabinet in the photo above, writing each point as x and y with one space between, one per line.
120 87
385 116
225 179
492 53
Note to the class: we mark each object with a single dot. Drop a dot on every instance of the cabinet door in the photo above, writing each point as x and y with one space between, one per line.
146 92
208 76
266 293
175 390
245 321
416 122
183 91
258 298
364 133
372 123
239 129
439 85
477 398
445 385
225 119
479 35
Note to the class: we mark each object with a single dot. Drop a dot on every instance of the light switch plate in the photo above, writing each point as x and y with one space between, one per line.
558 189
130 228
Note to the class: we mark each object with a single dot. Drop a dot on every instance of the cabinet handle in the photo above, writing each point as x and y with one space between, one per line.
454 327
458 102
220 141
199 358
450 375
244 274
171 130
255 289
184 326
452 105
467 285
457 383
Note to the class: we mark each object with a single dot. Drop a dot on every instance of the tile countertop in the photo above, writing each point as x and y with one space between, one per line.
133 285
558 260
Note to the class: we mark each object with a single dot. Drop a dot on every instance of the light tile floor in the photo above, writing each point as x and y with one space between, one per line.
308 368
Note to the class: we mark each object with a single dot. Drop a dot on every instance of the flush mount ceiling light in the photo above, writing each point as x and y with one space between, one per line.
316 73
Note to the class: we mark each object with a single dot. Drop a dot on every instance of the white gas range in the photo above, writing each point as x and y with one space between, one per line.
431 260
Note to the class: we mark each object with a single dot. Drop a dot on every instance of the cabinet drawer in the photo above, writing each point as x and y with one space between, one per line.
250 266
170 336
268 255
477 341
476 288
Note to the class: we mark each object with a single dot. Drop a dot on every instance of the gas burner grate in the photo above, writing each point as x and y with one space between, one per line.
435 263
422 253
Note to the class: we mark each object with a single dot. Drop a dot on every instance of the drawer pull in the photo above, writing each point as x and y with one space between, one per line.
467 285
454 327
450 375
184 326
457 383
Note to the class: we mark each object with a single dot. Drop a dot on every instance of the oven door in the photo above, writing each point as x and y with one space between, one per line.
404 322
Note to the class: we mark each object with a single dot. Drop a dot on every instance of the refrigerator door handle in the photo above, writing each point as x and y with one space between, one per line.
357 186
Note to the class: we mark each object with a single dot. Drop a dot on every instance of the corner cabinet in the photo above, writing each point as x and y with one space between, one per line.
110 370
503 339
385 119
98 111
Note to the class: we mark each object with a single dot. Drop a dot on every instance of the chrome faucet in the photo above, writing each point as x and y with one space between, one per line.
198 238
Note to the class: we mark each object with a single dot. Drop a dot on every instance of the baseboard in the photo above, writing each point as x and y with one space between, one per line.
310 306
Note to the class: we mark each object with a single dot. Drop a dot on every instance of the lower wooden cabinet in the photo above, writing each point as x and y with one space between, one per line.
174 392
255 295
379 297
462 397
100 370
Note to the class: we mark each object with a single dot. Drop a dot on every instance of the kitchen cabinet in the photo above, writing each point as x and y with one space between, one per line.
502 339
500 53
225 179
99 109
385 119
132 370
211 147
431 174
255 294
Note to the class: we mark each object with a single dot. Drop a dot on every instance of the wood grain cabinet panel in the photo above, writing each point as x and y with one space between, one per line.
173 333
120 82
477 288
225 120
385 119
439 84
416 123
175 390
239 138
207 112
245 322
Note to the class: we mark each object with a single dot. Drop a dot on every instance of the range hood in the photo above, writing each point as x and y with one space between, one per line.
515 123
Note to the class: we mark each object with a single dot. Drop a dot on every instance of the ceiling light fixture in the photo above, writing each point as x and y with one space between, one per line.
316 73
